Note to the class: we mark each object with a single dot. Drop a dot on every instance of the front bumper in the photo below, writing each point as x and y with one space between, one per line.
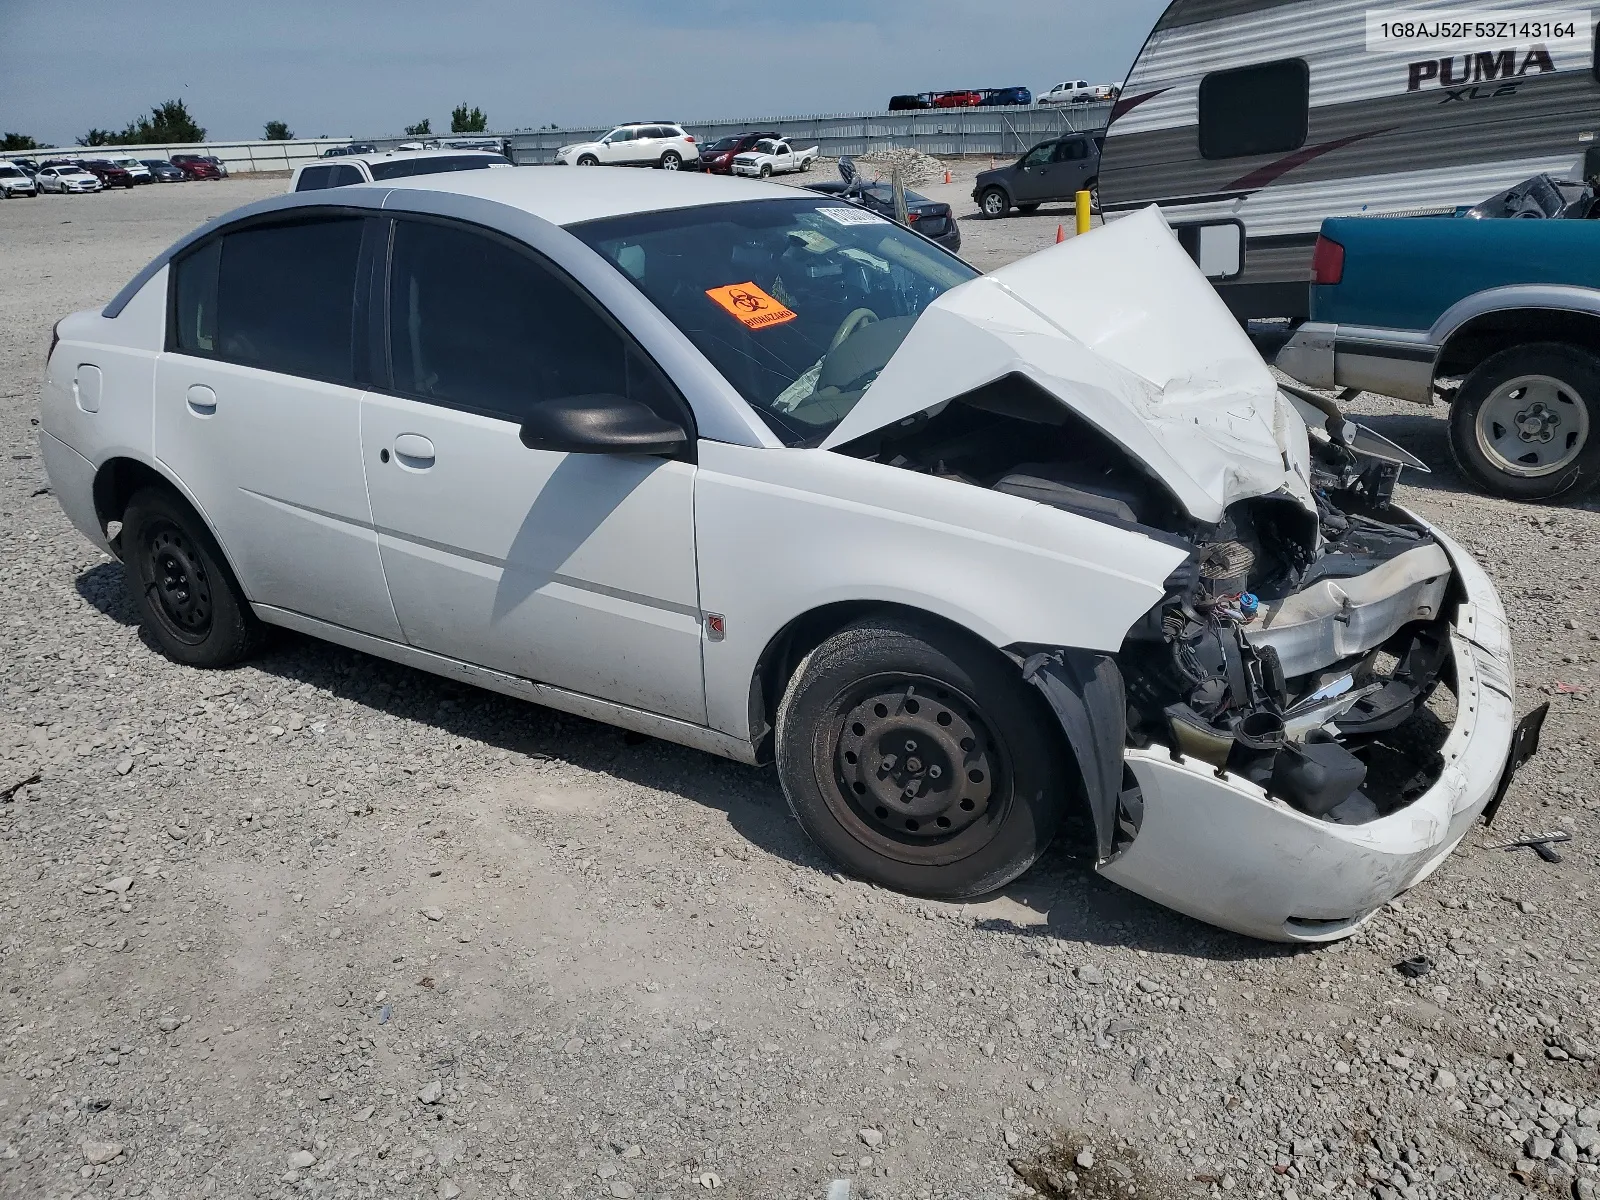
1218 848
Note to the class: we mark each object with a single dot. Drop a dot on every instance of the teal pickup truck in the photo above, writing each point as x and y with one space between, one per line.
1498 317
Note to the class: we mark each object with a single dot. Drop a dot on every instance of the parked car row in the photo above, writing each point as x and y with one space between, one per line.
29 177
1079 91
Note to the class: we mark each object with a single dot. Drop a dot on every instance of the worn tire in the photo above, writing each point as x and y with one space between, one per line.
994 203
1579 371
1014 739
164 540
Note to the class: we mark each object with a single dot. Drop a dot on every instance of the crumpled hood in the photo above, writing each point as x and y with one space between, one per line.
1121 326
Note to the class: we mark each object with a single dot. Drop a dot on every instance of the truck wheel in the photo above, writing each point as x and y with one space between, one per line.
671 160
917 758
994 203
1523 424
766 170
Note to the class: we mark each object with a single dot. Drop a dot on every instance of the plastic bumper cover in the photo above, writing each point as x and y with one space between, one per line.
1219 849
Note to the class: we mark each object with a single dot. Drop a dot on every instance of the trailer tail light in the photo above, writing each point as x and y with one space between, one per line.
1327 261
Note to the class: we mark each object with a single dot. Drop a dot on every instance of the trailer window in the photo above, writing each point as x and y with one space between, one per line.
1255 110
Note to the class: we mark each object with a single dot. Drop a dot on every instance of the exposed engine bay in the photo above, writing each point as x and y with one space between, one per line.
1294 649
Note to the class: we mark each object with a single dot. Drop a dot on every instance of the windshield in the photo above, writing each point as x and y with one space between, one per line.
9 172
799 303
727 143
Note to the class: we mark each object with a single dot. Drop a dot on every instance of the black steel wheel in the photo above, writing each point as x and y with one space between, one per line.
187 597
919 759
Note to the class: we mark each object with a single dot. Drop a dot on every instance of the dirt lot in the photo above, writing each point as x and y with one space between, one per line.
325 926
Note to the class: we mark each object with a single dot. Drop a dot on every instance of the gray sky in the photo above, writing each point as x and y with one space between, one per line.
366 68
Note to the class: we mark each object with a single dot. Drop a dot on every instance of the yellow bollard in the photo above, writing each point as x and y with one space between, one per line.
1083 212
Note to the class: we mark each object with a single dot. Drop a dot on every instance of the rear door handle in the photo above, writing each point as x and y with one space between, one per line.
202 400
414 451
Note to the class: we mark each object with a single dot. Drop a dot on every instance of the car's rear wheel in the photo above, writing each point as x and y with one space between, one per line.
588 160
671 160
994 203
1525 424
916 757
186 596
1093 188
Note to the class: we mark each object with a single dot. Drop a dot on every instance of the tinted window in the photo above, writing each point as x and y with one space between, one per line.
345 174
1255 110
279 297
476 323
314 179
393 168
1072 151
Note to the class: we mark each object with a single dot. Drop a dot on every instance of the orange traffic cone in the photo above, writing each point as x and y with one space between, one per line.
947 176
1061 234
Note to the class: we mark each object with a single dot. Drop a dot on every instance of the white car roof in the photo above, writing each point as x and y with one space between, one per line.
565 195
388 155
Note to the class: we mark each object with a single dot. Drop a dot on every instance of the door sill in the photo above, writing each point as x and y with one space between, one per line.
669 729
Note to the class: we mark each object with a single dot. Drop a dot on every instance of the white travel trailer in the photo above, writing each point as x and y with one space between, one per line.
1268 115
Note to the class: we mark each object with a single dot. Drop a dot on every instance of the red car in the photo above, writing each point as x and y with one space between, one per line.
109 174
194 166
957 99
717 158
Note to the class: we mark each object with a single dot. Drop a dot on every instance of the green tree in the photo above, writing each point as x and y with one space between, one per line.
18 141
465 120
100 137
422 128
169 122
279 131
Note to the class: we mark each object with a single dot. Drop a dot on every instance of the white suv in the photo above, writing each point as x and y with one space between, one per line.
14 181
661 144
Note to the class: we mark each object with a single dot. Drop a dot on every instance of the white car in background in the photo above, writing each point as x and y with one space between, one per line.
1079 91
14 181
321 174
976 559
773 156
661 144
66 178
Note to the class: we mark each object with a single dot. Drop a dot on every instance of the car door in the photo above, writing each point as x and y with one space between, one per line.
1069 169
576 570
619 146
258 410
1030 181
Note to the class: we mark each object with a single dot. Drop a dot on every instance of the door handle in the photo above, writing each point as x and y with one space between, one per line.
414 451
202 400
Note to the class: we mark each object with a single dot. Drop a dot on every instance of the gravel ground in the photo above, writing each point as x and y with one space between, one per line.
322 926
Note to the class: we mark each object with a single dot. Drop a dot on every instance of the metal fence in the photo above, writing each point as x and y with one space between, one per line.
943 132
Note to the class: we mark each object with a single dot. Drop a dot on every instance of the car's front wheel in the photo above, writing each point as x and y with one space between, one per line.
588 160
671 160
994 203
917 758
766 170
1526 425
186 596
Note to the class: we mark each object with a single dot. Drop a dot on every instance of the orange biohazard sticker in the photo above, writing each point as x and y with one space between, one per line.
750 305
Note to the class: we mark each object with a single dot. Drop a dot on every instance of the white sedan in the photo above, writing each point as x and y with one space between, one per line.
976 560
67 179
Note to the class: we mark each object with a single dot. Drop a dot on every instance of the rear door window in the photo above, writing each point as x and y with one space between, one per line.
314 179
1073 151
345 174
280 297
1262 109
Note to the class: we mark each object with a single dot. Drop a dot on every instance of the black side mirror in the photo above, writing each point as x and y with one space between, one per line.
600 425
